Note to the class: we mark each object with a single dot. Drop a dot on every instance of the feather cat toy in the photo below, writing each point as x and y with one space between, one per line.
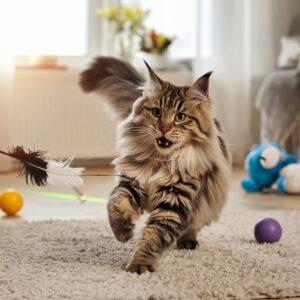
39 170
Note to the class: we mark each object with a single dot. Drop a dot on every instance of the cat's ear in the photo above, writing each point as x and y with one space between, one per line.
202 84
154 81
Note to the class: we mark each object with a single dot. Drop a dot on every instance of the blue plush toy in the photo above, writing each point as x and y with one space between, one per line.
266 166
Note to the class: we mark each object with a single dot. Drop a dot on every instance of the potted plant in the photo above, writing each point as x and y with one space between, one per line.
154 48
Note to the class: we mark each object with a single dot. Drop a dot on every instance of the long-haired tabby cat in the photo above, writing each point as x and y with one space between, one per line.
173 151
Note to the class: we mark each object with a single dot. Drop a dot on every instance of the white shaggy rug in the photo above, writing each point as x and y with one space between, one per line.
81 260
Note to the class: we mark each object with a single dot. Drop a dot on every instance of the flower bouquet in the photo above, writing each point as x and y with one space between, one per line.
128 24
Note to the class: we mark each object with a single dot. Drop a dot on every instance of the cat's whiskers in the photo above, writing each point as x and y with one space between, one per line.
136 138
133 133
236 144
137 129
133 129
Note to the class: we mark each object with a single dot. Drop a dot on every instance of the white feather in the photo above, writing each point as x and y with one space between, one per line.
61 174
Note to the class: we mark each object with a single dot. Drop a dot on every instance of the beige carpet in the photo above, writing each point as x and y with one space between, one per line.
81 260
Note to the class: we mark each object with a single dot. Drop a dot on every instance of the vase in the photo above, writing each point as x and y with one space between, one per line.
124 45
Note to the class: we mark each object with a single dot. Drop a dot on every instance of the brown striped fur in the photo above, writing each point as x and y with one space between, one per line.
184 186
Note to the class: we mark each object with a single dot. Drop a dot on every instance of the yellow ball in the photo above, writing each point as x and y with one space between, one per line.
11 202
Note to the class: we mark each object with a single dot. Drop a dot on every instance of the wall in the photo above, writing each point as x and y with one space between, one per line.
51 113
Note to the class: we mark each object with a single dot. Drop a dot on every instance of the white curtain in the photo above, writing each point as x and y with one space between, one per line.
6 122
244 46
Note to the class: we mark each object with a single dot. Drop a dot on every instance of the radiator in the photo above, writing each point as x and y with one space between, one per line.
50 112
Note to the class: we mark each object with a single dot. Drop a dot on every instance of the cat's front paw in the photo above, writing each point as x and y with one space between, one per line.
187 244
140 268
122 213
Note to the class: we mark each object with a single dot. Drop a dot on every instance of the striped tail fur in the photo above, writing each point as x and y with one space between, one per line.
114 79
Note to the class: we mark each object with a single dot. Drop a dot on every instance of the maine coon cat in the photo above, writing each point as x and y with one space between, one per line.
172 151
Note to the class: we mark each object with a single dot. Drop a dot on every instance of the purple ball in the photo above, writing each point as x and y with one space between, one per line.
267 231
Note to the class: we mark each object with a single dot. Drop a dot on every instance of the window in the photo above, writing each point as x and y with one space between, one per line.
47 27
71 29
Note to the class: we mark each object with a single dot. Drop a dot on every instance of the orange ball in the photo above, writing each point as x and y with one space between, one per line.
11 202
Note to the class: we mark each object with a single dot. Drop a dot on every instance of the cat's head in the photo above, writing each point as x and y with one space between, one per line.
169 117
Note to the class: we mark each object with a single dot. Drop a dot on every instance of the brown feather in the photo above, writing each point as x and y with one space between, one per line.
33 164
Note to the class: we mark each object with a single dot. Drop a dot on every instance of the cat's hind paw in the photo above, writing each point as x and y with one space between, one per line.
123 230
187 244
140 268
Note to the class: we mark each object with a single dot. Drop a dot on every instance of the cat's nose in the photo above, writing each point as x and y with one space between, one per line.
164 129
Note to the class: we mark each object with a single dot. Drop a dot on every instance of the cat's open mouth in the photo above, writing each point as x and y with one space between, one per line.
162 142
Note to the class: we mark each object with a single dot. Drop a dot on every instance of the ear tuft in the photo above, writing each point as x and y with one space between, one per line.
208 74
154 80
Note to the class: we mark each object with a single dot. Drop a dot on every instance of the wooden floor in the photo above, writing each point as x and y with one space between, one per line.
42 203
46 202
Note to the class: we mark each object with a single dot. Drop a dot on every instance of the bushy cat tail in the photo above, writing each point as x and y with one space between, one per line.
115 80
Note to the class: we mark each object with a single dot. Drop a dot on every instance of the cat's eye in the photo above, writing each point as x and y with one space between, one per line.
180 117
156 112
